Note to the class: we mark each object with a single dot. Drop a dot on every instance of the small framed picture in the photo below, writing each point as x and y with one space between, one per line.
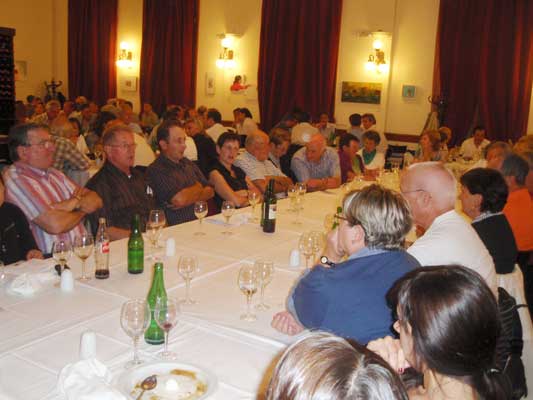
408 91
209 83
128 83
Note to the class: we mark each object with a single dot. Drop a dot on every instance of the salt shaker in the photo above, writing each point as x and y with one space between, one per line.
67 281
88 345
294 259
170 248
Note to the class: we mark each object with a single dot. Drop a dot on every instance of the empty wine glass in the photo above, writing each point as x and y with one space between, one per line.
154 226
248 282
228 208
253 198
292 194
61 251
134 319
83 247
302 190
200 211
166 316
187 268
306 246
265 271
318 242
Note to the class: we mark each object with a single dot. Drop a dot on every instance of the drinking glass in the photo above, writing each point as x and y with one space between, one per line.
318 242
329 222
61 251
306 246
302 190
83 247
228 208
187 267
3 275
154 226
200 211
253 198
134 319
292 194
265 270
166 316
248 282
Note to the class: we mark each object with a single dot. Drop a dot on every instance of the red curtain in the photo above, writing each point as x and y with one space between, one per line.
169 52
298 57
92 48
484 65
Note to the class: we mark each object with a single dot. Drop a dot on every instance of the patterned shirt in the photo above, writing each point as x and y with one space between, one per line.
122 195
33 190
327 167
67 157
255 169
167 178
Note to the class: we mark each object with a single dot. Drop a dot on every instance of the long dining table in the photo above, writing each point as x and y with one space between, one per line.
40 334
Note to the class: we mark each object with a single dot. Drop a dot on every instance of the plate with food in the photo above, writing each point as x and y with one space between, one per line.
173 381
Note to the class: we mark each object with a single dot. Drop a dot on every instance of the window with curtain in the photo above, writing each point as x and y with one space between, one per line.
484 66
92 49
298 57
169 53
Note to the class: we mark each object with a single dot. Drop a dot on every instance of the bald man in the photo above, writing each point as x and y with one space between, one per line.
317 165
430 190
255 163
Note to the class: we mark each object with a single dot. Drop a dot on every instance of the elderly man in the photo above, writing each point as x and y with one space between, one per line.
177 182
495 153
123 188
54 205
254 162
317 165
53 108
473 147
430 190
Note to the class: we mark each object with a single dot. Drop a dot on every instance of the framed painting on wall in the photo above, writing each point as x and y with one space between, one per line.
361 92
209 83
408 91
128 83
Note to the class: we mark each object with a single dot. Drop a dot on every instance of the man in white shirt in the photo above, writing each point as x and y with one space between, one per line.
430 190
213 126
302 133
255 163
369 124
473 148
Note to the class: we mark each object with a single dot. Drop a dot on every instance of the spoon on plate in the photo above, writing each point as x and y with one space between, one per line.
148 384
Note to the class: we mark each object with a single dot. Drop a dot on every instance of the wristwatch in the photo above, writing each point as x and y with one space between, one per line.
324 260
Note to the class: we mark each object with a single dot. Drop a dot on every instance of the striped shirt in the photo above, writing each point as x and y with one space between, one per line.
33 190
255 169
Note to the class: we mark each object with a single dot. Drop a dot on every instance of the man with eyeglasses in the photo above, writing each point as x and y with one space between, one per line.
123 188
54 205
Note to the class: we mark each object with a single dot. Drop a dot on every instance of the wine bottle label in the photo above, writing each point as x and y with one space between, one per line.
105 247
272 211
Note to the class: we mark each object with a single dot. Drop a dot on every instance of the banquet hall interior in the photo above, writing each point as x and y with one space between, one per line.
415 68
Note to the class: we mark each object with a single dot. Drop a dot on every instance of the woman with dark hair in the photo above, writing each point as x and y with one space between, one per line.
449 325
373 160
230 182
430 147
483 196
75 137
320 366
244 123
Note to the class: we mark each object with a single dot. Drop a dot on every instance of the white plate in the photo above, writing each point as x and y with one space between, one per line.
128 379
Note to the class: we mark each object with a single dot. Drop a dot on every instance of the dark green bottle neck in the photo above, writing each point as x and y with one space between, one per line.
136 226
158 283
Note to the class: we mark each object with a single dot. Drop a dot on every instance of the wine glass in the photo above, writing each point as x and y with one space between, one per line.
83 247
253 198
187 267
248 281
265 270
154 226
228 208
134 319
200 211
166 316
306 246
329 222
318 242
302 190
61 251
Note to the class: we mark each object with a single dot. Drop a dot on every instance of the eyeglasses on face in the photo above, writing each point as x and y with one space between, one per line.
45 143
124 146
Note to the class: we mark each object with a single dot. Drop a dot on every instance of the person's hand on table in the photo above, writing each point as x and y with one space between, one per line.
390 350
34 253
285 323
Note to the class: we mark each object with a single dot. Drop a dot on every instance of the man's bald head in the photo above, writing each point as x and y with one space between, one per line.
430 190
257 145
315 147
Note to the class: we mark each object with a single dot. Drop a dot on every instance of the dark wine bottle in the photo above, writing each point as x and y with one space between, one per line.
269 209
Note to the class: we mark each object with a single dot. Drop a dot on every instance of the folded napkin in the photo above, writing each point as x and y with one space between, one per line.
235 220
28 284
87 380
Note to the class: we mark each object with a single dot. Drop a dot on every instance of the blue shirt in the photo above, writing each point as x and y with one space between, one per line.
349 299
328 166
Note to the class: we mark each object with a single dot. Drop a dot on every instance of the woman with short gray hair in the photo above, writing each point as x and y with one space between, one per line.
345 293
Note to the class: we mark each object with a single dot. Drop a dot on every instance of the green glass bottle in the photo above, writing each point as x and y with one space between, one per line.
136 247
154 334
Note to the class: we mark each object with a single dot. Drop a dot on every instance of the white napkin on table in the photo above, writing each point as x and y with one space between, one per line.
87 380
28 284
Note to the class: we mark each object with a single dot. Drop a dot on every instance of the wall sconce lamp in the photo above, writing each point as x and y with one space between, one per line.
376 62
125 56
225 58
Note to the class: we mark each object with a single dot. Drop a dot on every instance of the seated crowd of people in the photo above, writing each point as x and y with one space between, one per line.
366 281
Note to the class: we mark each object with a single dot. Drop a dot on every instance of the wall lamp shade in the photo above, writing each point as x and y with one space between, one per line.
226 56
376 61
125 56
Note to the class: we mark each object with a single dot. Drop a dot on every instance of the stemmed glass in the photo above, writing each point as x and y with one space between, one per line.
306 246
265 270
253 198
302 190
200 211
134 319
187 267
228 208
166 316
154 226
318 242
83 247
61 251
248 282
